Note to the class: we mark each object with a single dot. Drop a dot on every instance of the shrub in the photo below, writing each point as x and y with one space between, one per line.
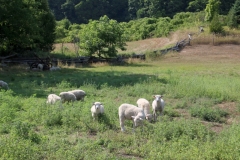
215 25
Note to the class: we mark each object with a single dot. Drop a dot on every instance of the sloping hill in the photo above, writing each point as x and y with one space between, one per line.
194 52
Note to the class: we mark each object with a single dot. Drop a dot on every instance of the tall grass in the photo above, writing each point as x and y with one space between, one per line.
212 39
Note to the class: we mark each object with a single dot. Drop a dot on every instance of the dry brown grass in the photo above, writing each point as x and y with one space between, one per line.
204 47
216 40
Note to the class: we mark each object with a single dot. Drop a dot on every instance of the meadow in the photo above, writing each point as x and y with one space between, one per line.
201 118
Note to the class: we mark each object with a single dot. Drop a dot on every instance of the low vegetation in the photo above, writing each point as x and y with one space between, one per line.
200 121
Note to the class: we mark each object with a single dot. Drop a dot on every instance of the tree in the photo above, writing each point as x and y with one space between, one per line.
47 25
211 9
232 19
55 6
25 25
62 31
234 15
215 26
102 37
197 5
17 26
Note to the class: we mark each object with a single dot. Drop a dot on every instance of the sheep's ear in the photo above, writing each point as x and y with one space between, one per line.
146 117
133 117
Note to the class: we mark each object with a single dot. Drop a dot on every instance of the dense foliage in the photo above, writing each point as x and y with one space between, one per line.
234 15
102 37
138 29
81 11
29 25
26 25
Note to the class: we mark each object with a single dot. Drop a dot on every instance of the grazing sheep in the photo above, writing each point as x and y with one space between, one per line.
53 68
80 94
96 109
40 66
157 105
145 105
67 96
4 85
130 112
35 69
53 98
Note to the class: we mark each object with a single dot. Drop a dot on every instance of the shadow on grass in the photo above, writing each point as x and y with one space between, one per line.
30 83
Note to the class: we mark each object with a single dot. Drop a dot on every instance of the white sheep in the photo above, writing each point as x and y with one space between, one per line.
4 85
97 109
40 66
145 105
130 112
53 68
67 96
80 94
35 69
157 105
53 98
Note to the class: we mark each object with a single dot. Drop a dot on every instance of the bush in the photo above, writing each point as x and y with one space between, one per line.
215 26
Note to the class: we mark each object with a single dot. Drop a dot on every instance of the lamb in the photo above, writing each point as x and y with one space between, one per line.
53 98
4 85
157 106
80 94
145 105
97 109
130 112
67 96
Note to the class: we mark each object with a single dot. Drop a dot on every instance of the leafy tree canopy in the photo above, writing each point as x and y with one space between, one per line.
211 9
25 25
102 37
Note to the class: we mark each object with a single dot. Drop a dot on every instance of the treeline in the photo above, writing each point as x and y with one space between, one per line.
105 36
81 11
34 26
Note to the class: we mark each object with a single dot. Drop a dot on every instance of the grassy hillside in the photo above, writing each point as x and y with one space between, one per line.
147 46
201 119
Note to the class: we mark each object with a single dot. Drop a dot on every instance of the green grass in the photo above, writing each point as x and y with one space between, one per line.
31 129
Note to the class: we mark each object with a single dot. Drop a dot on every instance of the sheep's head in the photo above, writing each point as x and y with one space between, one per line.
137 121
149 117
97 105
157 97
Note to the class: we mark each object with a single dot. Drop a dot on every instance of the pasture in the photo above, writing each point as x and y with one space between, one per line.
200 86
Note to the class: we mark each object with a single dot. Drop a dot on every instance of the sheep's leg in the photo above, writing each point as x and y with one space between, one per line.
122 124
133 127
93 115
154 115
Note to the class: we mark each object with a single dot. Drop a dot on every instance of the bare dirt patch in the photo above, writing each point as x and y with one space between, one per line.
231 108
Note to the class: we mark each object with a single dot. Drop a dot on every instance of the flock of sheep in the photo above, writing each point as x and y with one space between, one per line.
40 67
141 112
137 113
126 111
